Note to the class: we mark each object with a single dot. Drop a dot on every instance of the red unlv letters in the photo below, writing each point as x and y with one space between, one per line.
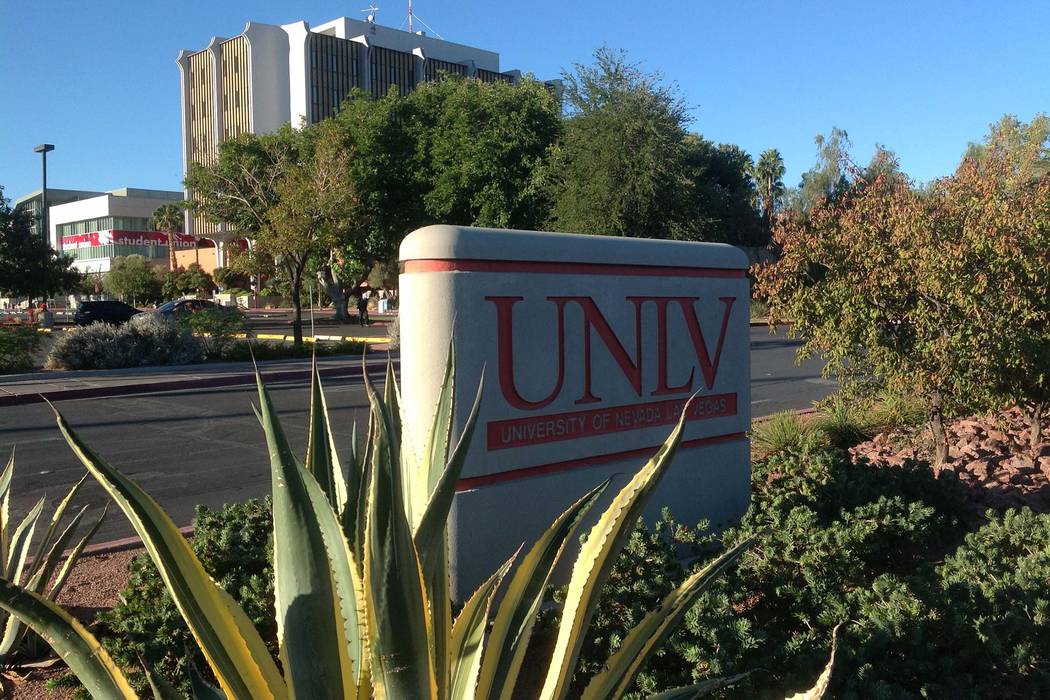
630 366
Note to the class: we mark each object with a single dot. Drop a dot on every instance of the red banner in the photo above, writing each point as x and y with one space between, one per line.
114 236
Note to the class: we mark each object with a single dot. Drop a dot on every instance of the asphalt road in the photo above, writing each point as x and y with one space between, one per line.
204 445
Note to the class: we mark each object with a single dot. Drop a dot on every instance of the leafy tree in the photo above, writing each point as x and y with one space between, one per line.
1025 147
387 201
828 178
769 175
718 203
168 218
29 266
133 279
478 148
194 280
943 292
619 168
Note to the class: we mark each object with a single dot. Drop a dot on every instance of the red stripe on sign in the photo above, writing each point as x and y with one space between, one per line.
534 430
476 482
559 268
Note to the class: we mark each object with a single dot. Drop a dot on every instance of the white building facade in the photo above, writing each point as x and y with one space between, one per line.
270 75
118 223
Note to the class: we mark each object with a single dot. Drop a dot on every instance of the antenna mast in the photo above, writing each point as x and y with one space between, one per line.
409 16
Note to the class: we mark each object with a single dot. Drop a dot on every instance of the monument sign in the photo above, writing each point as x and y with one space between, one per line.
590 346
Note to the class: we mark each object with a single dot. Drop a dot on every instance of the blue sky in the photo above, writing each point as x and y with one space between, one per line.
99 79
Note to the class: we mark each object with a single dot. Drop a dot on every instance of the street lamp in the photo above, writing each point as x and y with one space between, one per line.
43 150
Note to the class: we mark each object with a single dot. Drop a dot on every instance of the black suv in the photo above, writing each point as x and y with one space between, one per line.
115 312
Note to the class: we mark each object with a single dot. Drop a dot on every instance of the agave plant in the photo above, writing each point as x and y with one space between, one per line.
36 573
361 576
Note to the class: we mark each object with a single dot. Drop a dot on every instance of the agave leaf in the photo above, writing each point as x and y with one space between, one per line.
313 649
516 615
56 518
14 629
322 460
345 575
468 636
20 542
88 660
202 689
434 456
640 643
430 535
5 509
232 646
398 629
158 685
596 559
689 692
352 486
432 545
42 569
74 554
820 689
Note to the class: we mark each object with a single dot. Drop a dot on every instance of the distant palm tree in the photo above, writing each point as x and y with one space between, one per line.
168 218
769 173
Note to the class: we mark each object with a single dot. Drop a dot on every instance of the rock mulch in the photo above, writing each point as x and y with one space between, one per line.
990 456
93 585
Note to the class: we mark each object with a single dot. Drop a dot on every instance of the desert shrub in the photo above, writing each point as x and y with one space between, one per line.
835 541
891 410
235 546
243 350
843 422
784 431
148 339
217 328
17 345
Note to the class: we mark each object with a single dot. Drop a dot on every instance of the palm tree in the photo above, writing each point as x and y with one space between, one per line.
168 218
769 173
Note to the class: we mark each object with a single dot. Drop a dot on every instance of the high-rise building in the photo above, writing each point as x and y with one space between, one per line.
270 75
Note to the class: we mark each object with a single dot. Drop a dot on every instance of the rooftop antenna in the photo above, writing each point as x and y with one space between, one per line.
409 16
413 18
371 10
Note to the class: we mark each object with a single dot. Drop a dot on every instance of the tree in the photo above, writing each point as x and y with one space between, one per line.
619 168
943 292
29 266
133 280
168 218
717 204
1024 147
478 148
194 280
388 190
828 178
769 174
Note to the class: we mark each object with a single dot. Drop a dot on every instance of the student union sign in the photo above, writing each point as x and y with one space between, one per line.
590 347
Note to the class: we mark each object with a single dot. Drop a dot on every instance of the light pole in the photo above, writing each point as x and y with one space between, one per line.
43 150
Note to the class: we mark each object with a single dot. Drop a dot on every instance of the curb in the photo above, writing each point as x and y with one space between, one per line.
177 384
125 543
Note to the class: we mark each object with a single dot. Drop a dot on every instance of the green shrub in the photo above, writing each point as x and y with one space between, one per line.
148 339
216 328
235 545
844 422
243 350
393 331
17 345
836 541
785 431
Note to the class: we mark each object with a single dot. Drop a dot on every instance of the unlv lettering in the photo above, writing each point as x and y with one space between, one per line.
631 367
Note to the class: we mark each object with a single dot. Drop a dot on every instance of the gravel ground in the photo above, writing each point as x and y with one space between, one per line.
94 584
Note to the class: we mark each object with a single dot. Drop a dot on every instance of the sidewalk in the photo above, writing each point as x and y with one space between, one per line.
34 387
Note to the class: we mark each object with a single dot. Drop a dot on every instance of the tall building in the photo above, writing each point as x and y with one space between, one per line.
96 230
270 75
33 204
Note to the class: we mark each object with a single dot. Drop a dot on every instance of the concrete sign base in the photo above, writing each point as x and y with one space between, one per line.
590 348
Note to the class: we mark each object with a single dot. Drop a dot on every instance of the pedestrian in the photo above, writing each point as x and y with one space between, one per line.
362 308
45 319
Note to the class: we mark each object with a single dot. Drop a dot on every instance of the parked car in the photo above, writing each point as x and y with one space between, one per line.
115 312
182 307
